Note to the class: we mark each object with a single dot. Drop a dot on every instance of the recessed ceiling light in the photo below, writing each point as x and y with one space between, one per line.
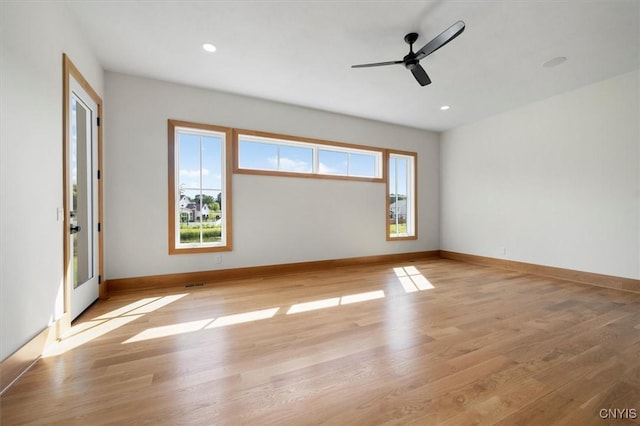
209 47
554 62
445 107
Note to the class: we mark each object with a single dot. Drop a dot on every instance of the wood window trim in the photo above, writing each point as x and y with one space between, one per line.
172 124
388 154
301 139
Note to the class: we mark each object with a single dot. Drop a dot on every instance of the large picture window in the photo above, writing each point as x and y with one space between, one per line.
199 188
269 154
401 196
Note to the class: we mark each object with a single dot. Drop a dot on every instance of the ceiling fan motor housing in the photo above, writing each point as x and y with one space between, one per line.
410 62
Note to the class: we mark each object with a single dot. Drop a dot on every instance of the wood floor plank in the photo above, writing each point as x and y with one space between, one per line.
433 341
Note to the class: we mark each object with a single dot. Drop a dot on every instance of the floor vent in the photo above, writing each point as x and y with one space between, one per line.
194 285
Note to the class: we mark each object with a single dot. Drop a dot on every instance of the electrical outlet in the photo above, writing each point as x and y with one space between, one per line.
502 251
218 259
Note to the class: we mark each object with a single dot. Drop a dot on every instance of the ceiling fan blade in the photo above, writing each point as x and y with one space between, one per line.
443 38
377 64
421 75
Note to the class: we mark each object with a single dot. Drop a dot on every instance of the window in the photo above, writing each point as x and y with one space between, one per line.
263 153
271 156
401 196
199 188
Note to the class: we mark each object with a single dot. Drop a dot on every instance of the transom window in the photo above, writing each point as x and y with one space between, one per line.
401 196
199 188
261 153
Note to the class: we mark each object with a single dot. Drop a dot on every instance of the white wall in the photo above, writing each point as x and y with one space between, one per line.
275 219
555 183
33 37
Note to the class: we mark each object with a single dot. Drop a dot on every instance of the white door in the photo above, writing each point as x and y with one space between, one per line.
83 198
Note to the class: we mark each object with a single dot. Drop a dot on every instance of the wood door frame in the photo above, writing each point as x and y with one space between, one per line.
69 70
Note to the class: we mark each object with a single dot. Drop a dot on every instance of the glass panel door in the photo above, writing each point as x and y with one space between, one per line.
83 193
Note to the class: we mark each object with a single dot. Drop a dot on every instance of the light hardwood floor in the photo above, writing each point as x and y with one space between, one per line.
376 346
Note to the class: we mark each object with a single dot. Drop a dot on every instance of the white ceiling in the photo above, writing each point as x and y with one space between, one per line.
300 52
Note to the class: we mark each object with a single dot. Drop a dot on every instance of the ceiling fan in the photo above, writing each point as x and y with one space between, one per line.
412 60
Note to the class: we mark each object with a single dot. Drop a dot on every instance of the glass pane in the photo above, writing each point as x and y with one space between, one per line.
209 215
189 160
73 175
401 176
392 175
189 227
296 159
392 196
81 201
399 193
190 181
332 162
258 156
212 166
216 212
362 165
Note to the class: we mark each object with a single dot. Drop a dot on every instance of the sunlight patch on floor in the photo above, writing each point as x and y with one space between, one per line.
362 297
87 331
169 330
209 323
243 318
315 305
411 279
83 327
156 304
128 308
80 339
335 301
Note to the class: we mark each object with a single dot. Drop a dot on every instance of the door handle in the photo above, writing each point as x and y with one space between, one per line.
74 229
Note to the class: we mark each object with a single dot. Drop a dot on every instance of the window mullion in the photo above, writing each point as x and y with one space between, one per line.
316 160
